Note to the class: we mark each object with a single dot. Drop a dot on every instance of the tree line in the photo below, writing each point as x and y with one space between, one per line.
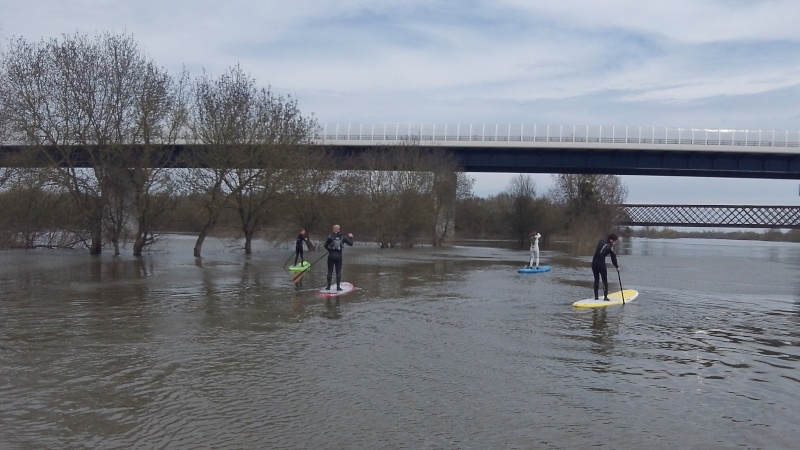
98 101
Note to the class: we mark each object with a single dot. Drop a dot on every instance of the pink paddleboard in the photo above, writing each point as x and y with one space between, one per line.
346 288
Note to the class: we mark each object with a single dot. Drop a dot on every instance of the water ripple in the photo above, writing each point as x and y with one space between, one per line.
440 348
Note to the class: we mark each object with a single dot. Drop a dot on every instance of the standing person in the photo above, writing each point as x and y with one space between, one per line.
334 246
298 246
604 248
534 250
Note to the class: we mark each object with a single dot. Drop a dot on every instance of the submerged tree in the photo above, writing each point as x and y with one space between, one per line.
281 147
38 214
251 144
83 103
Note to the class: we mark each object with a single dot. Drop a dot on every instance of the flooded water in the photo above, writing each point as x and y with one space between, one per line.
438 348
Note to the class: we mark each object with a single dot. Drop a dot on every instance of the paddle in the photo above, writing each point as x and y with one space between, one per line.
290 258
621 291
300 274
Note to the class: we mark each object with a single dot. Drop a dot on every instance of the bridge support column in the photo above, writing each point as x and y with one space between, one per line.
445 186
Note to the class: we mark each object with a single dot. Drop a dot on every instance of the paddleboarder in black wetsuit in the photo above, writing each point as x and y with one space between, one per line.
334 245
298 246
604 248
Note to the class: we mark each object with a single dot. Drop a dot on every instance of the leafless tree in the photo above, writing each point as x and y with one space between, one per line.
403 192
369 193
252 142
310 191
521 214
481 218
36 214
589 202
84 102
162 114
281 156
222 118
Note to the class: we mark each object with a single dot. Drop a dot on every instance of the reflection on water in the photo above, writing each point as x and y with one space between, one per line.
603 332
438 348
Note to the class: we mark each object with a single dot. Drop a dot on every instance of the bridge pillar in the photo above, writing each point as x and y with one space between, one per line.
445 195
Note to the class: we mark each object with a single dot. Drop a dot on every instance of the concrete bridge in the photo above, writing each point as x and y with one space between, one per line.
768 154
544 149
625 150
614 150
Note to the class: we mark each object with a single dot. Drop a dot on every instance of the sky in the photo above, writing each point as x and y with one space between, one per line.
732 64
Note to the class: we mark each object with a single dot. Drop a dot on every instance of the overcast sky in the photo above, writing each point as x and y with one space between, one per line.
677 63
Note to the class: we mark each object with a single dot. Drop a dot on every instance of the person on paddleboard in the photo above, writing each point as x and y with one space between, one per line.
334 245
534 250
604 248
298 246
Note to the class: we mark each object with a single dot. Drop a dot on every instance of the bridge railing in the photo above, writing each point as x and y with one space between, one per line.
557 134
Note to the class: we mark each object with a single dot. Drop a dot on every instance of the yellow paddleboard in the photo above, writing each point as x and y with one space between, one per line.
615 298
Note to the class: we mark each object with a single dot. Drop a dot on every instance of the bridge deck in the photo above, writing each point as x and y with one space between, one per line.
625 150
615 150
597 160
685 145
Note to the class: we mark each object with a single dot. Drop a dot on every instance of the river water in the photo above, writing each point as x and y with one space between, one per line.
443 348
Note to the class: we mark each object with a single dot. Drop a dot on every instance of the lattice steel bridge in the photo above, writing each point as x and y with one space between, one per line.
716 216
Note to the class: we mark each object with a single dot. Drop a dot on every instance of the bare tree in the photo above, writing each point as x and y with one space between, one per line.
282 139
161 115
84 102
207 185
252 142
310 190
521 214
39 99
370 192
589 202
405 192
413 201
482 218
220 118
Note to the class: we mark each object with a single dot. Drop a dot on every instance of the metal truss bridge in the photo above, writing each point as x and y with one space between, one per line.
712 216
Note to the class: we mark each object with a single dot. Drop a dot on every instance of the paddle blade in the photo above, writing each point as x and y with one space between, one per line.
298 276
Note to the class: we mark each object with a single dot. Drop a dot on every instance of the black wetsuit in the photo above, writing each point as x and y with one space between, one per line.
604 248
334 245
298 248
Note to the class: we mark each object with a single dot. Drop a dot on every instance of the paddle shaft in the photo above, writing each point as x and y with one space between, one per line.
290 258
621 291
300 274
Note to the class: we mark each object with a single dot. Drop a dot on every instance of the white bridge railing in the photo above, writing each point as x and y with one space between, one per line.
330 133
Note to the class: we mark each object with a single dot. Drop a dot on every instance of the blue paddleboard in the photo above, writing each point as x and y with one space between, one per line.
539 269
